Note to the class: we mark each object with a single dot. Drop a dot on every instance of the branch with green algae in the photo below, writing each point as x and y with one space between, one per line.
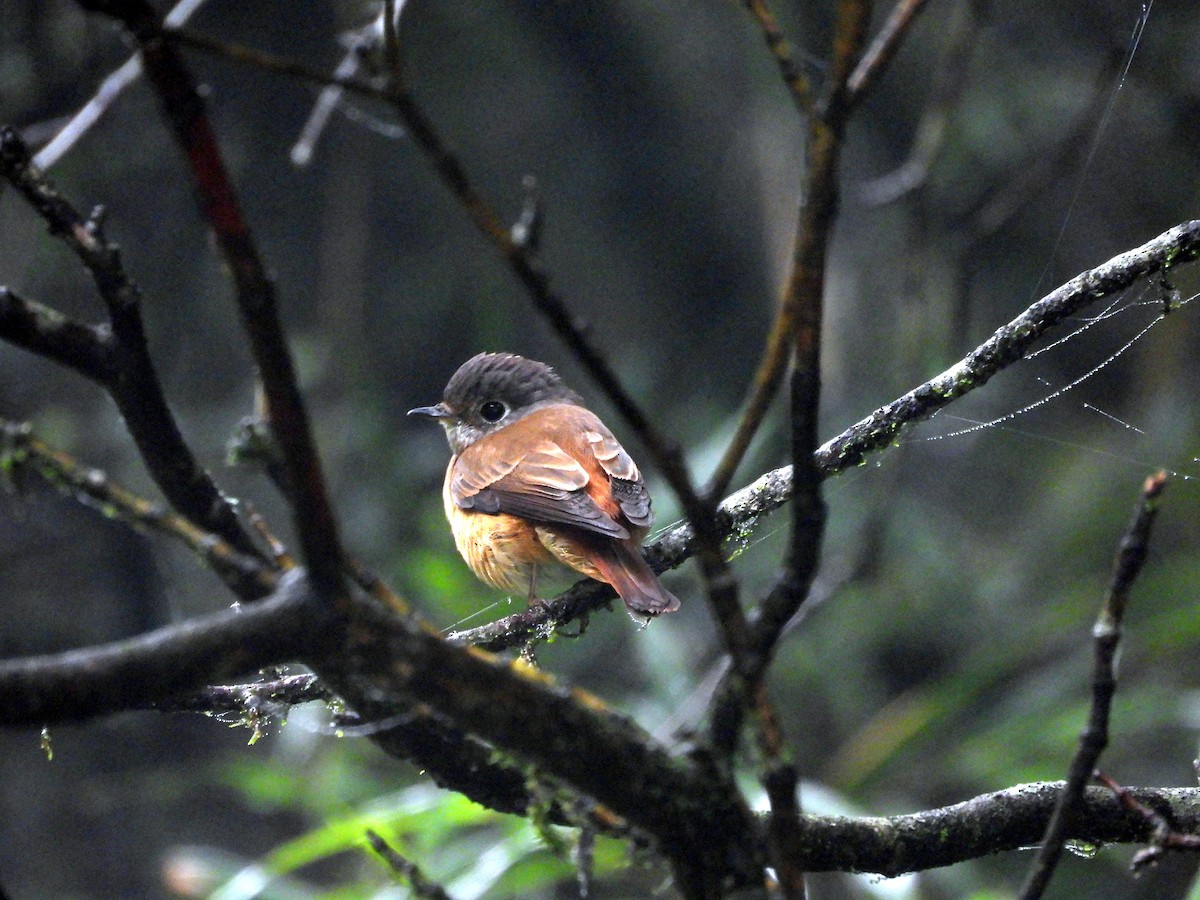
740 513
1009 344
393 671
21 450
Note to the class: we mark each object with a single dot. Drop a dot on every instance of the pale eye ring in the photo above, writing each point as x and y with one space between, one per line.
492 411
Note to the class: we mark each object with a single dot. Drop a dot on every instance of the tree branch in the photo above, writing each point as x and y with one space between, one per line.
992 823
132 381
389 664
185 113
1131 554
781 50
1007 345
882 49
247 575
86 349
406 870
1163 836
825 125
112 87
161 664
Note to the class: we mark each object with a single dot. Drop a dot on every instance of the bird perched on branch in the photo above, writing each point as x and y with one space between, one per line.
537 479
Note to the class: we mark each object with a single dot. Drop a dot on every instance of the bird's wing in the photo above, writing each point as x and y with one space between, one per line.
546 485
628 488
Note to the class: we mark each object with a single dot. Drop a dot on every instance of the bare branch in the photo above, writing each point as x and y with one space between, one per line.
161 664
961 26
112 88
991 823
248 575
1131 554
406 869
39 329
450 757
185 113
781 50
798 327
807 278
1006 346
1163 837
133 382
882 49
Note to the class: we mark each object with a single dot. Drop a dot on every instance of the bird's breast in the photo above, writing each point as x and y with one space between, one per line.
499 548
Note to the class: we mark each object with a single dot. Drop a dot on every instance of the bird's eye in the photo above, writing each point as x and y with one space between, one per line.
493 411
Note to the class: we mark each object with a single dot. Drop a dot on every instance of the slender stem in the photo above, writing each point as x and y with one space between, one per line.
1131 554
187 118
248 576
120 359
882 49
781 50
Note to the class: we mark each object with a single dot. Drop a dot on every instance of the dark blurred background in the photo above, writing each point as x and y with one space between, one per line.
947 648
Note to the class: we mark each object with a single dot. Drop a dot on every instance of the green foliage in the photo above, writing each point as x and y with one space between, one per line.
469 850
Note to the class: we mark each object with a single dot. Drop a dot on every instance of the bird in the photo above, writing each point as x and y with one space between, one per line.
536 479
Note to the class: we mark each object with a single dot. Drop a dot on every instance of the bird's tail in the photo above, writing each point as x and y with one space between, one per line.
622 565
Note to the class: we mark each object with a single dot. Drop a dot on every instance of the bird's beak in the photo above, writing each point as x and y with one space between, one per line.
437 411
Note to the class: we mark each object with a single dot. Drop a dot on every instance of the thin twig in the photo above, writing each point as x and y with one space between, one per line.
87 349
1131 554
110 89
131 377
804 295
21 448
406 869
1162 836
961 28
785 839
779 48
882 49
189 124
391 41
825 126
360 42
797 333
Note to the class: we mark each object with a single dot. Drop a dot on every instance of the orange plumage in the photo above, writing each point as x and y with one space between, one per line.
536 479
